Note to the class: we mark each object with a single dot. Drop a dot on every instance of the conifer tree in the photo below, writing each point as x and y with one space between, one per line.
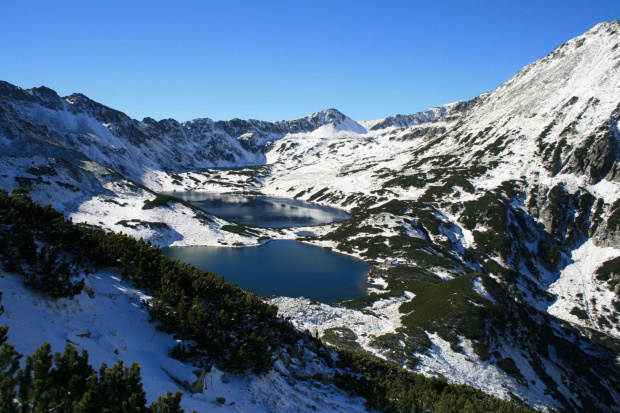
40 392
9 365
170 403
121 386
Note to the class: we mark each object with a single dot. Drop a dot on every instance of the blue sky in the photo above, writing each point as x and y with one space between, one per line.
274 60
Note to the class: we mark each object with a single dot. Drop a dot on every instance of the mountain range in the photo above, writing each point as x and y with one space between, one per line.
493 225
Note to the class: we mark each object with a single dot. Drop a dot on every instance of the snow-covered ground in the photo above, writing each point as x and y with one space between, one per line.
467 368
183 227
383 317
113 325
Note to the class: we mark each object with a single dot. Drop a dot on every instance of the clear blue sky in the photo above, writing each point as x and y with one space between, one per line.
274 60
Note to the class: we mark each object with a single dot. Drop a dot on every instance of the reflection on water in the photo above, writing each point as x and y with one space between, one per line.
263 211
285 268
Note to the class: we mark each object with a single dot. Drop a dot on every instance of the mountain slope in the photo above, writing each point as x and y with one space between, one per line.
524 188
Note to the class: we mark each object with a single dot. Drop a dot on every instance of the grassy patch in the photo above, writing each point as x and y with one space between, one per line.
362 302
413 279
487 210
390 346
407 181
317 194
70 187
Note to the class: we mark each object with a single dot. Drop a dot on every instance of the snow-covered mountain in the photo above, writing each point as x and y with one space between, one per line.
493 224
76 126
436 113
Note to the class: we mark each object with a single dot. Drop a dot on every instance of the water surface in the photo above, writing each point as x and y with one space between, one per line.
284 268
262 211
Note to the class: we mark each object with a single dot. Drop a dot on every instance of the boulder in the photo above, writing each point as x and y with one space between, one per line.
280 368
191 378
301 375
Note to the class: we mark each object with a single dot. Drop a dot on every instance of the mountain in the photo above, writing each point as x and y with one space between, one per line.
438 112
492 224
77 126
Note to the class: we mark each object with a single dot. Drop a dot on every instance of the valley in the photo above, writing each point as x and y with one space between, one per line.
492 226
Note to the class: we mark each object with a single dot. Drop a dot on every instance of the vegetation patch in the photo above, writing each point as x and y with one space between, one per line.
318 194
341 337
135 223
498 145
510 367
45 170
26 182
159 201
407 181
240 230
70 187
360 303
451 308
390 346
579 313
488 211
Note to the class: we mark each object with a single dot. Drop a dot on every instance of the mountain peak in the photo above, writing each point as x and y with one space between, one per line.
334 119
604 26
332 113
327 116
585 67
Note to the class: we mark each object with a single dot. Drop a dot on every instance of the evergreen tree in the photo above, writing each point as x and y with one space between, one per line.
121 387
170 403
41 385
66 382
53 275
9 365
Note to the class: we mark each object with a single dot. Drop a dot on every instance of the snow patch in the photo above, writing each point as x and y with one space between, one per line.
577 287
479 288
383 318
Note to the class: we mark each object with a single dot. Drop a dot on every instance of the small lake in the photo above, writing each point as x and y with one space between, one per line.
284 268
262 211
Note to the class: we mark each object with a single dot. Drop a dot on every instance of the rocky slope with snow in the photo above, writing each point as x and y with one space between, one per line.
493 224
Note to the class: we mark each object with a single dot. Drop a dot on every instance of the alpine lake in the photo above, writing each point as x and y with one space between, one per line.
284 267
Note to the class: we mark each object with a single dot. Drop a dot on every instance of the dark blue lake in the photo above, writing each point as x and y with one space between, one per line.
263 211
284 268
